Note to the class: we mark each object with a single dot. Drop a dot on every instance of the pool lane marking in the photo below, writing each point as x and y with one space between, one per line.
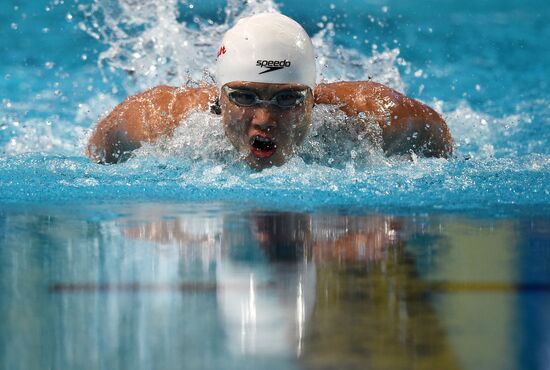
489 287
129 287
429 287
145 287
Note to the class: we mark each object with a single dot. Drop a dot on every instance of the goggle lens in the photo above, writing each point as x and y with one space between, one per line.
283 99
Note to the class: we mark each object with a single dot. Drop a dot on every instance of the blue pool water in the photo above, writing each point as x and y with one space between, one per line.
176 258
481 64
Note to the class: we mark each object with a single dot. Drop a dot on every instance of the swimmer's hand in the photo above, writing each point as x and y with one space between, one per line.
408 126
143 118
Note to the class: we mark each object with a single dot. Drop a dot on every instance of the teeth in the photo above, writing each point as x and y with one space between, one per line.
261 139
263 143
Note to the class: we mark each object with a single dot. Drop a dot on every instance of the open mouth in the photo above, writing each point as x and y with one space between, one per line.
262 147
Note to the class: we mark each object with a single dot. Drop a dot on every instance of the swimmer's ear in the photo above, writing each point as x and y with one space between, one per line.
215 108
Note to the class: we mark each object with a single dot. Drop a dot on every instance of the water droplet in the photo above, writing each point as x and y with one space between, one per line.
478 87
385 9
45 30
13 26
49 65
84 57
418 73
69 17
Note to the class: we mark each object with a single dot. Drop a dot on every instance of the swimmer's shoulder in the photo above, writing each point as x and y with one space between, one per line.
177 100
342 92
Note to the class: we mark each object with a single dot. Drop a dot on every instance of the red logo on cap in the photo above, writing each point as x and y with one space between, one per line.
221 51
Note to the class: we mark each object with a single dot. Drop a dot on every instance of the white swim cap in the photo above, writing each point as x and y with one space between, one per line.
267 47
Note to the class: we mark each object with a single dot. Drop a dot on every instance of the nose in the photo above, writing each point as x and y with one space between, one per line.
264 119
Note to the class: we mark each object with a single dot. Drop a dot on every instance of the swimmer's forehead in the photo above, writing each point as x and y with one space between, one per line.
264 87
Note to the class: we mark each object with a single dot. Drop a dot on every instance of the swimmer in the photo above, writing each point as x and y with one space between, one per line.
265 93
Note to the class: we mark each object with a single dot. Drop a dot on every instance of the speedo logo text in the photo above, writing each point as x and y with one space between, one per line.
272 65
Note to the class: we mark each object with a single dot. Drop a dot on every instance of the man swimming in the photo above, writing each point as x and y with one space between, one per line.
265 95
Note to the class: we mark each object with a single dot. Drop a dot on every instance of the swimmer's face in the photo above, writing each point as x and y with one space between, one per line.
266 134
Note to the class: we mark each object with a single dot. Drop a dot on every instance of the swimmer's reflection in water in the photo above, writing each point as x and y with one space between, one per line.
338 291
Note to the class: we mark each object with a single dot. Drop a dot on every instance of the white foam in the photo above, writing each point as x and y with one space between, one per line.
478 134
147 39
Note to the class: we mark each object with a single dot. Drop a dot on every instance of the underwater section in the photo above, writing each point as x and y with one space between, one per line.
218 285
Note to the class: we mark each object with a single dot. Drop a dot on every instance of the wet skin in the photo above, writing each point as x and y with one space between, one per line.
286 128
406 124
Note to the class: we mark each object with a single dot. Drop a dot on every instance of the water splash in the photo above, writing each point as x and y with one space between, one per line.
147 40
500 158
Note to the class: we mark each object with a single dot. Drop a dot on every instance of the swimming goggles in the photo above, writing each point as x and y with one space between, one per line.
283 99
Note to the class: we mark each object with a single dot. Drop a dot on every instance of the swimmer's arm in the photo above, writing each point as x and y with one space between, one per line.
144 118
407 125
